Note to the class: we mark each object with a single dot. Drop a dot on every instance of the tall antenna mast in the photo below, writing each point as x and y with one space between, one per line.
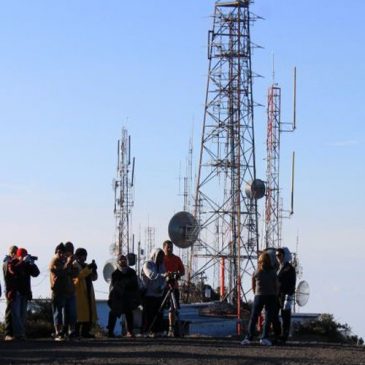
273 206
227 164
272 203
123 194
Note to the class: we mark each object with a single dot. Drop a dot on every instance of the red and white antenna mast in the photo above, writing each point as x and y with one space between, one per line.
273 209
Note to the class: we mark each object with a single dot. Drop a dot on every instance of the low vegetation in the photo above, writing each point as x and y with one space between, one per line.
326 329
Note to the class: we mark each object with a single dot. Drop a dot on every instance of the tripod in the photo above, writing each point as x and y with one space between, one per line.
173 305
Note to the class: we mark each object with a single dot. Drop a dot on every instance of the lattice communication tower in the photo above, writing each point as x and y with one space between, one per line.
227 214
150 233
123 195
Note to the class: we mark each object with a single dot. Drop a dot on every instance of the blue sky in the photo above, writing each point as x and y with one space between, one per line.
73 73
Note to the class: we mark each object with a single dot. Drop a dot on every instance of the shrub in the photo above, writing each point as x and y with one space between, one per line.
326 328
39 321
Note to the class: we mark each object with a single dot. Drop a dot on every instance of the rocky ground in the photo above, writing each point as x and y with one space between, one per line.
185 351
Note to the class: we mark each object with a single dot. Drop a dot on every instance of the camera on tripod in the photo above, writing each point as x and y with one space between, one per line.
172 277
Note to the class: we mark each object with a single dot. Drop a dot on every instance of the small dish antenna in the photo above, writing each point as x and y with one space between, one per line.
183 229
255 189
109 267
302 293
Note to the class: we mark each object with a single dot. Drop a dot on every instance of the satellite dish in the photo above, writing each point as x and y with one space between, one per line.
109 267
183 229
255 189
302 293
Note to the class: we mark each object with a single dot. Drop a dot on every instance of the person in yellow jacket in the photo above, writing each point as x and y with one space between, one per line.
85 296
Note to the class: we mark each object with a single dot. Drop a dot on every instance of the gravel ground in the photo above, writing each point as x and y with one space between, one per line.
186 351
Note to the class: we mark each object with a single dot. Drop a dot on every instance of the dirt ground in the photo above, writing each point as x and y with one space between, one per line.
185 351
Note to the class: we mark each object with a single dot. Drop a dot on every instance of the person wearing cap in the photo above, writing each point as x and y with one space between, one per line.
21 269
62 274
173 265
8 281
85 295
123 296
286 288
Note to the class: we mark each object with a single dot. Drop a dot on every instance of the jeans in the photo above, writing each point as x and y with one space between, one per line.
8 320
261 301
70 312
19 314
286 318
282 329
64 312
58 310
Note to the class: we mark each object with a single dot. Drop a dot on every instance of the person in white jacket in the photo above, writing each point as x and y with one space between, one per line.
154 280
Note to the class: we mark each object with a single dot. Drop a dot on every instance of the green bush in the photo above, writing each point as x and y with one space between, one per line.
39 321
325 328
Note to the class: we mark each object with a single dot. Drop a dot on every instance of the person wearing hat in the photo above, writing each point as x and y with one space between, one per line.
123 295
85 295
21 268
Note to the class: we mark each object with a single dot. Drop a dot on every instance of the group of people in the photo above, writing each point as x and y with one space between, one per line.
72 293
156 290
73 298
274 292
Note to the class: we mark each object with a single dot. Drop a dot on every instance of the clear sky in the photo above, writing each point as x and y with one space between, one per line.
73 73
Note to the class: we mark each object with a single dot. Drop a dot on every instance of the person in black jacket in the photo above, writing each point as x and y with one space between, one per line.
286 279
20 270
123 295
9 283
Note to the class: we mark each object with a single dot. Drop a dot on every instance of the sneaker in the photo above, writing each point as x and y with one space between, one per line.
130 335
9 338
59 338
265 342
245 342
171 333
